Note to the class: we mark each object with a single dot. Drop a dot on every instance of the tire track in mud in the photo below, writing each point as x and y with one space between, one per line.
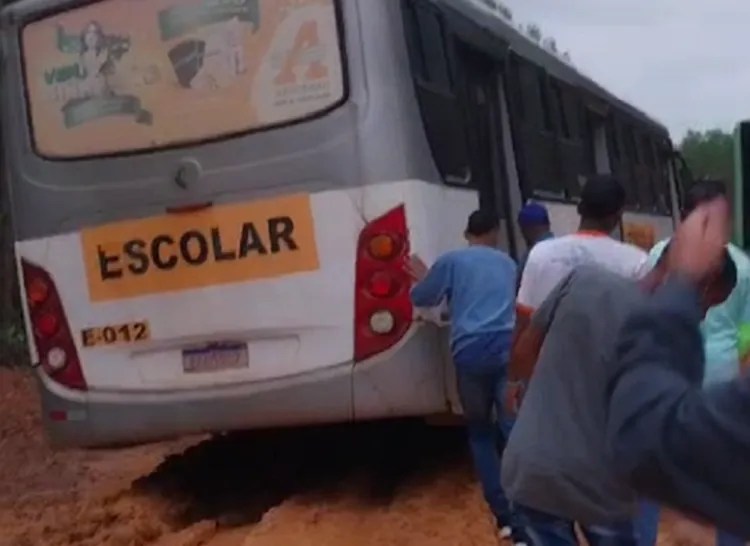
234 479
389 483
182 494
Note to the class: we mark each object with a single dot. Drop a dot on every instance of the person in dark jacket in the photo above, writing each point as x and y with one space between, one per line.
555 468
722 331
674 442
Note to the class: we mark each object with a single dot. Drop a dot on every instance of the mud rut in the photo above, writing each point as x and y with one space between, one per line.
234 479
395 483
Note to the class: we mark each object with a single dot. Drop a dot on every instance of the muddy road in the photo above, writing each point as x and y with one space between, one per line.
397 483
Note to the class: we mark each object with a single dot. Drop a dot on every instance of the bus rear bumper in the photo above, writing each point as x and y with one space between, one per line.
101 420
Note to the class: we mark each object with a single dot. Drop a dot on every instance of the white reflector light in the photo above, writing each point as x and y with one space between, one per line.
382 322
56 358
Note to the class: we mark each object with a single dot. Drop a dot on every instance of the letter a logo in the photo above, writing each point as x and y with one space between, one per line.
307 38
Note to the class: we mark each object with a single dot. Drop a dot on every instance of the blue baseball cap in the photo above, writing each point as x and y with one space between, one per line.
533 214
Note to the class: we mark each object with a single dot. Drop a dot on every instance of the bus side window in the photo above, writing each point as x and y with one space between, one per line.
433 44
613 145
659 204
571 102
575 164
666 169
438 104
588 139
542 154
517 102
522 111
544 98
631 172
559 108
619 159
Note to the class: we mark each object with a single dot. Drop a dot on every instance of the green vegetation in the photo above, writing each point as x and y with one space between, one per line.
709 154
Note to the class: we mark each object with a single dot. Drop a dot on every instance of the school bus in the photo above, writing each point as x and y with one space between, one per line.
213 199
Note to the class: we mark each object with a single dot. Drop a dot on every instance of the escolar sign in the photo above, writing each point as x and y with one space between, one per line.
220 245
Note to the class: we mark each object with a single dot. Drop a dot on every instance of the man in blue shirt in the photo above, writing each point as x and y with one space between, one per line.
721 330
478 283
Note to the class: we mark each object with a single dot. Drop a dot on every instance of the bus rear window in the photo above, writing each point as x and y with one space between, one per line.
120 76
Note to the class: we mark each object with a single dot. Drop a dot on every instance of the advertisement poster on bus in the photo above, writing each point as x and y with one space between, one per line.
123 75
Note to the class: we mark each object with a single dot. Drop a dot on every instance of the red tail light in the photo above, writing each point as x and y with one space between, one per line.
47 325
383 310
52 336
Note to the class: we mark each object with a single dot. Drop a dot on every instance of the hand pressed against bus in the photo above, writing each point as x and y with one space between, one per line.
479 285
723 330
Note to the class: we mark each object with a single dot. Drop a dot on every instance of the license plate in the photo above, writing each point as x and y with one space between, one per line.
215 357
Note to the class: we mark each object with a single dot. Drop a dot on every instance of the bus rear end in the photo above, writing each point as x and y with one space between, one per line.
189 230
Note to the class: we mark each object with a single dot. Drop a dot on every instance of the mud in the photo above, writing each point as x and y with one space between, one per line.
394 483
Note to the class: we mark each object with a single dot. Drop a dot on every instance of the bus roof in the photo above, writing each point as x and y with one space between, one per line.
483 15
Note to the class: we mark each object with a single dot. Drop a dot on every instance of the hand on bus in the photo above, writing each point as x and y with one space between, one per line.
416 268
698 246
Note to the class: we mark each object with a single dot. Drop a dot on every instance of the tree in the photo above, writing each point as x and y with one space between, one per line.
534 32
551 44
709 153
505 11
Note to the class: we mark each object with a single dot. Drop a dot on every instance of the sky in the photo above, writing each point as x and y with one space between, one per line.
684 62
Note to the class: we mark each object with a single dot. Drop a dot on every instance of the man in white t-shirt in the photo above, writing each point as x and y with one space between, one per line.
600 209
549 262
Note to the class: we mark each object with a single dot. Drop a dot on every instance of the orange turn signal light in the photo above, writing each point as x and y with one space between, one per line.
382 247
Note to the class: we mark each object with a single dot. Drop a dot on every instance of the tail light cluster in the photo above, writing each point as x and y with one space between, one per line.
50 330
383 310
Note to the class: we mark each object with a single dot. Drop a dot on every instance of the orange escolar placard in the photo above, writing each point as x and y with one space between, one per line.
219 245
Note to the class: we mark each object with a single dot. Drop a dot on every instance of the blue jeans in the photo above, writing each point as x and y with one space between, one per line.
482 394
544 529
648 528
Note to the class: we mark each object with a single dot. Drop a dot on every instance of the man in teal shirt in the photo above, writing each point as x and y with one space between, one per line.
722 330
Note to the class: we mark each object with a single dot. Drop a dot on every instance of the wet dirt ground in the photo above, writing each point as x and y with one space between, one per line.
397 483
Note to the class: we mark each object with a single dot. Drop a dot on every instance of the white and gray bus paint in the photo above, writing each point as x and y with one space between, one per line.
213 199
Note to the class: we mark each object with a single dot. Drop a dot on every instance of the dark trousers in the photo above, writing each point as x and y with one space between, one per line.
544 529
482 395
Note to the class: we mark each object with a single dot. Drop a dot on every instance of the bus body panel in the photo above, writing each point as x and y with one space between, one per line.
409 379
416 376
354 162
291 323
117 419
